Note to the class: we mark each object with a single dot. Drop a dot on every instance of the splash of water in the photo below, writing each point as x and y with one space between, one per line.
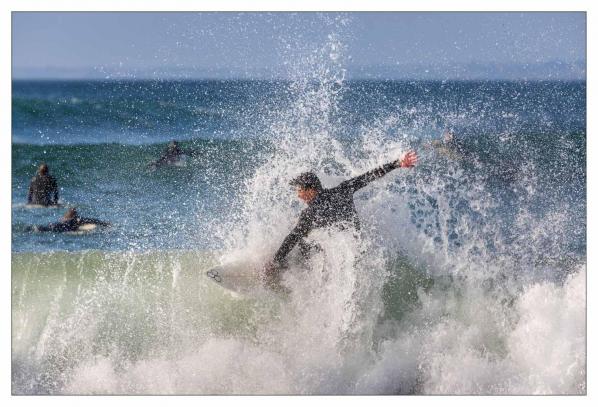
433 296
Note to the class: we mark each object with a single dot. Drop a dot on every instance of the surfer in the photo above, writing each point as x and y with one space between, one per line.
448 138
173 154
43 189
326 207
490 166
70 222
450 145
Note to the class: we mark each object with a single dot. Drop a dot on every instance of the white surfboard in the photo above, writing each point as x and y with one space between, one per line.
83 229
181 161
241 278
36 206
87 227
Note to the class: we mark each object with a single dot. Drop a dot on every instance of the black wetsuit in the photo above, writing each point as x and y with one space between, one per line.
70 225
43 190
171 155
331 206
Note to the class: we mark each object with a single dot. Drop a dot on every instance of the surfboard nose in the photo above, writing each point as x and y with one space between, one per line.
214 275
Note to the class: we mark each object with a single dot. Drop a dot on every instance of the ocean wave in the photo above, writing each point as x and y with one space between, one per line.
467 276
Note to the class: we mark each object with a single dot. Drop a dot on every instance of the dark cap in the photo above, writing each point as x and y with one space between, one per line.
307 180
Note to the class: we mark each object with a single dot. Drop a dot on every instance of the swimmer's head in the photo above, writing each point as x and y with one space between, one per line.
71 213
42 169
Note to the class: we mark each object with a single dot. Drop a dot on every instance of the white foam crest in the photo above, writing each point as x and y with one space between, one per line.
218 366
318 342
471 342
549 342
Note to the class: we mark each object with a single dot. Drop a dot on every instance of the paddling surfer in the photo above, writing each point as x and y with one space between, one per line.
70 222
173 154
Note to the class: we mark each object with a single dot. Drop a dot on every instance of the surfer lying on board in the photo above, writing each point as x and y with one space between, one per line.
450 145
43 189
172 155
326 207
70 222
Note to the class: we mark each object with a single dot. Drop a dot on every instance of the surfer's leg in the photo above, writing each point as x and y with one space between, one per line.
307 250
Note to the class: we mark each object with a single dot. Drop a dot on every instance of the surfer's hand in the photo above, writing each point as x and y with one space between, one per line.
408 160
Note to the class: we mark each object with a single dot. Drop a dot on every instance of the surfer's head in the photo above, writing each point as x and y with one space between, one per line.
308 186
42 169
70 214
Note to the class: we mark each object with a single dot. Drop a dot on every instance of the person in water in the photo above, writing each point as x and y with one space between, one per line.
43 189
70 222
326 207
450 145
171 155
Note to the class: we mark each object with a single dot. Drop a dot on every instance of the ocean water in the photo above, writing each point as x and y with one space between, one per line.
468 276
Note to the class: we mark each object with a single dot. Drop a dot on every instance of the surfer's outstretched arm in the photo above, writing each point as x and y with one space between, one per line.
406 161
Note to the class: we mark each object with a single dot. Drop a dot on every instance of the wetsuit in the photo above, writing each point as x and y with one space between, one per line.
331 206
70 225
171 156
43 190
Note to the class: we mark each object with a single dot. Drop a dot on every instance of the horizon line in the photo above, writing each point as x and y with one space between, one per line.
257 79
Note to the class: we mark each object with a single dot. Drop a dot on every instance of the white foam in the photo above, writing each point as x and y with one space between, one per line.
473 345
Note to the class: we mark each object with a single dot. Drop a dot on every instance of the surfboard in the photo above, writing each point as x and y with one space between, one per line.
238 277
83 229
86 227
244 279
36 206
181 161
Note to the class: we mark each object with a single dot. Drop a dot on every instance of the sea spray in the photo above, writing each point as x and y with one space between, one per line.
470 343
467 276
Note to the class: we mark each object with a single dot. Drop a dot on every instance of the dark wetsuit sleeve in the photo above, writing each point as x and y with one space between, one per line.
30 193
362 180
304 225
68 226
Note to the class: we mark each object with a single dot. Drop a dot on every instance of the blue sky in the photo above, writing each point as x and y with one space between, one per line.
449 45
